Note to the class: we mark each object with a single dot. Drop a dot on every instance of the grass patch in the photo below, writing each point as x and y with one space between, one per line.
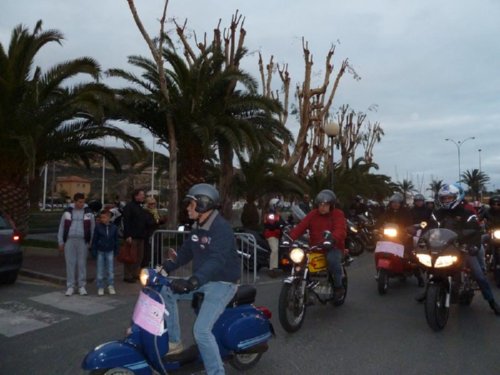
39 243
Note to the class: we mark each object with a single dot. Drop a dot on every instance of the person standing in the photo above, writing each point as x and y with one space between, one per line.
216 270
273 224
135 223
305 204
74 238
105 248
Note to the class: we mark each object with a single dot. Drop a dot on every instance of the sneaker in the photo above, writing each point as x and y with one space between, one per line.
111 289
69 292
82 291
175 348
100 291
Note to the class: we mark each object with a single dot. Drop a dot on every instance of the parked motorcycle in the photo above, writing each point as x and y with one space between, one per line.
449 279
353 242
309 283
390 258
242 333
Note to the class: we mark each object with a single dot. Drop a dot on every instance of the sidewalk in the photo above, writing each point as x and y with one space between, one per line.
49 265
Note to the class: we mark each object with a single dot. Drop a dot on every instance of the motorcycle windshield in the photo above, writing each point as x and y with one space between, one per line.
439 237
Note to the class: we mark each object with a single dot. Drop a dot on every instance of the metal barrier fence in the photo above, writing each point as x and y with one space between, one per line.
162 240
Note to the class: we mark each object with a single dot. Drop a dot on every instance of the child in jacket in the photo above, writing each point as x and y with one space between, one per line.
105 248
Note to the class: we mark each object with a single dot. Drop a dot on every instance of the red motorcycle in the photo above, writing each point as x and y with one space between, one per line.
391 260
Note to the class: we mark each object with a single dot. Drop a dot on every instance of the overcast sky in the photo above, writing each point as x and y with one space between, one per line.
431 67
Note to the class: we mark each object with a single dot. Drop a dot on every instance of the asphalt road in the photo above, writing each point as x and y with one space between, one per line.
43 332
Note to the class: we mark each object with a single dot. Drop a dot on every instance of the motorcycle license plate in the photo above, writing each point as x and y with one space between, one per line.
391 248
383 263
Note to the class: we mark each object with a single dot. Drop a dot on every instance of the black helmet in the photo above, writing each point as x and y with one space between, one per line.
205 196
325 196
418 197
495 199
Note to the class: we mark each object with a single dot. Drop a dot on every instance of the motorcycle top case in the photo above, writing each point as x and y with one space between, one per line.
246 328
317 261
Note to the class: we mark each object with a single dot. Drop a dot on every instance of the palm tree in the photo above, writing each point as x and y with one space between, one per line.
43 119
212 121
261 177
476 181
405 187
435 186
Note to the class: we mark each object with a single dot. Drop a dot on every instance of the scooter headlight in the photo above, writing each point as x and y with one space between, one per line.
425 259
144 276
496 234
297 255
390 232
445 261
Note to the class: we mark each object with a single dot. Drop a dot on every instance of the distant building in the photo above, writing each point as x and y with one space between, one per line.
73 184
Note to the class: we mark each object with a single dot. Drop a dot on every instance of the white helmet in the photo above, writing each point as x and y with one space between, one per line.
450 190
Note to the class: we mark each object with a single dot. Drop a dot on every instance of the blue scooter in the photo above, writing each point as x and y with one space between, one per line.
242 333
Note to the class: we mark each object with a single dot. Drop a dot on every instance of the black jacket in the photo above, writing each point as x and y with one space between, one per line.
136 221
461 221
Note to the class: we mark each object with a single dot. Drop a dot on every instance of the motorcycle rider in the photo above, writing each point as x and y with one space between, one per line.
273 224
454 216
429 203
491 218
216 270
397 213
326 217
357 207
419 212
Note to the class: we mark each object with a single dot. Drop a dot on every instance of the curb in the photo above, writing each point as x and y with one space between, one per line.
43 276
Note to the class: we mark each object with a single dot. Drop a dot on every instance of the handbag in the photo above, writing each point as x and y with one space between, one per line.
127 254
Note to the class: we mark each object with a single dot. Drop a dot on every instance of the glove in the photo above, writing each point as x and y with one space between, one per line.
183 286
159 269
472 250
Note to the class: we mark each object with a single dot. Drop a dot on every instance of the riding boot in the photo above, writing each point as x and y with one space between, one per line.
494 306
420 279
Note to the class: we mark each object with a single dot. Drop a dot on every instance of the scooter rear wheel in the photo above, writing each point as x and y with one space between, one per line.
382 281
245 361
112 371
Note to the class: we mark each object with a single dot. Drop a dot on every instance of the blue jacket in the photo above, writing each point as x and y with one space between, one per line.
105 238
212 248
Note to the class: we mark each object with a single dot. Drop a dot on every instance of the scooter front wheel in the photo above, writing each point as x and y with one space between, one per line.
112 371
292 307
245 362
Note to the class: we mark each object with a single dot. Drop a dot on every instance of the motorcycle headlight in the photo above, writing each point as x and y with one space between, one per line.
496 234
425 259
144 276
390 232
353 229
445 261
297 255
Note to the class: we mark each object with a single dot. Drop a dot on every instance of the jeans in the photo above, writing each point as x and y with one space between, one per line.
105 268
274 244
334 260
478 275
217 295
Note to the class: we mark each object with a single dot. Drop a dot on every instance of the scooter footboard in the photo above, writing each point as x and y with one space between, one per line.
116 354
248 329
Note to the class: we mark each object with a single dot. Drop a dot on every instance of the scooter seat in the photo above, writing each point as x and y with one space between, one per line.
244 296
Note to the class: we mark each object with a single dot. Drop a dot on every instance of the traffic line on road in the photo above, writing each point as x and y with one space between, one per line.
85 305
17 318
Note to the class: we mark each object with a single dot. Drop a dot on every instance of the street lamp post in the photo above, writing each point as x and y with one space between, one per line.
332 129
459 145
